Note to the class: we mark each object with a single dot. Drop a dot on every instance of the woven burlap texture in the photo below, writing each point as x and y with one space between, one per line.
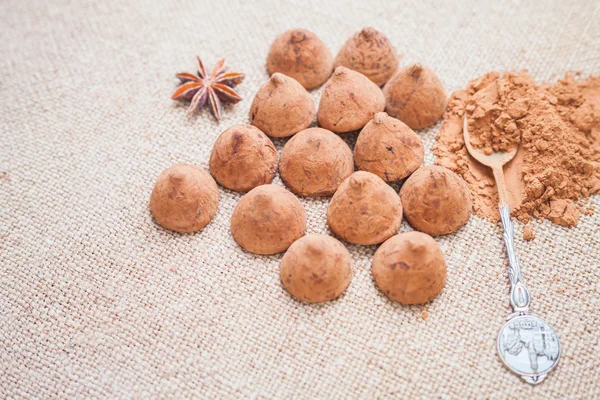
97 300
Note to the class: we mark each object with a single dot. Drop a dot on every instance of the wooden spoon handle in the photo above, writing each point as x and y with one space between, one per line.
501 184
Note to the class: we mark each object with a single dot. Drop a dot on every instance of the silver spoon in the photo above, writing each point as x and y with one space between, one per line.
527 345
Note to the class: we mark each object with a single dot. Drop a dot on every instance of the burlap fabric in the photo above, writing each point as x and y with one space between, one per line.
96 300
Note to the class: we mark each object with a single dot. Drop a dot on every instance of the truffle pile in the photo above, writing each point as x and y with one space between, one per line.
316 161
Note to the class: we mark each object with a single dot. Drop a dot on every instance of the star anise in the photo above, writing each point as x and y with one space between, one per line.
215 88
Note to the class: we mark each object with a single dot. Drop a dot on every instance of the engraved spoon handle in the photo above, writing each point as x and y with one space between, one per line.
519 294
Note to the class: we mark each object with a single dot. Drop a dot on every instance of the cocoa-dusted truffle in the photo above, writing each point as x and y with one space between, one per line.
184 198
388 148
410 268
282 107
370 53
302 55
243 158
267 220
314 162
415 96
364 209
436 200
316 268
349 101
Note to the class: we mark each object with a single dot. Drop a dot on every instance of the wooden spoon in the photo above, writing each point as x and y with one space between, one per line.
496 161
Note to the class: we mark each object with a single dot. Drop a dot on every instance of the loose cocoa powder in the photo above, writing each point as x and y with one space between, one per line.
528 232
558 161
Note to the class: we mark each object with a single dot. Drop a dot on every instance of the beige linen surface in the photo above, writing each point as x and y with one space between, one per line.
96 300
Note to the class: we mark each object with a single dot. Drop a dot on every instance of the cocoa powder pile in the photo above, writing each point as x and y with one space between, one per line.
558 161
